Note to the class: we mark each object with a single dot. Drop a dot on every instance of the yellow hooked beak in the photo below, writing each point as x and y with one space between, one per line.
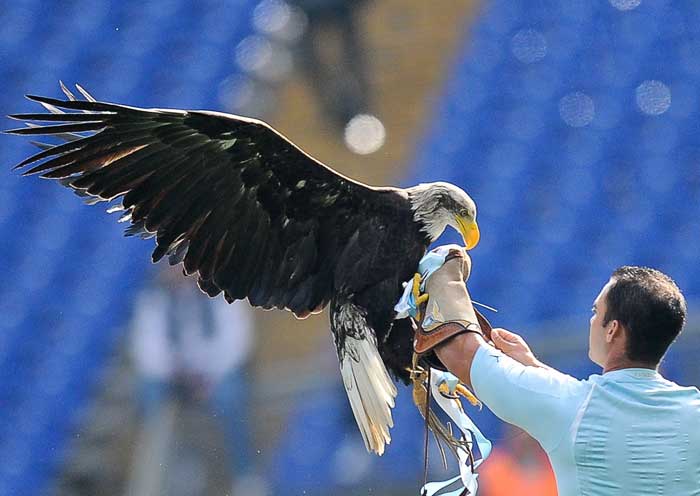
470 232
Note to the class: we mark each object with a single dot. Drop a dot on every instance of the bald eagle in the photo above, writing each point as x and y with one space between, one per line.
255 217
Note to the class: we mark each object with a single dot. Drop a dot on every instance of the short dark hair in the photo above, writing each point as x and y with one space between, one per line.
650 306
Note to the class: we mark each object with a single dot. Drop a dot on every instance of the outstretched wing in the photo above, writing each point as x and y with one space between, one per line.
229 196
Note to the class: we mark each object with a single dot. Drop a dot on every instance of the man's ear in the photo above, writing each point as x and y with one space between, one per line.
613 330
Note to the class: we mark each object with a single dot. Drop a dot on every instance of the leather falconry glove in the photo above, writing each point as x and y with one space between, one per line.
448 310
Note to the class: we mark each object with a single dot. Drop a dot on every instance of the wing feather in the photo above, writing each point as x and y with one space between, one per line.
250 259
59 128
262 292
109 182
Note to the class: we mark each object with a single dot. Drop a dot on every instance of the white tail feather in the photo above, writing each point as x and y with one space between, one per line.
370 390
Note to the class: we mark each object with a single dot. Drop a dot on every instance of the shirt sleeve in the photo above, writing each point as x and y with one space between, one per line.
543 402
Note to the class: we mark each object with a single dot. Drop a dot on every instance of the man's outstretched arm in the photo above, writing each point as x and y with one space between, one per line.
512 383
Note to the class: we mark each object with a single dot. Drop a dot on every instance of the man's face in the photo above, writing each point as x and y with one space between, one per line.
597 344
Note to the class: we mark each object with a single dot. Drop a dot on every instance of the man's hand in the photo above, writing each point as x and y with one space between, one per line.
515 347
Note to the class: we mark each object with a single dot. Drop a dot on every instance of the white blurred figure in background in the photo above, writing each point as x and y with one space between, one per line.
193 349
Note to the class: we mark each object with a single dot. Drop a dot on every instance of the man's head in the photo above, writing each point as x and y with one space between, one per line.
639 311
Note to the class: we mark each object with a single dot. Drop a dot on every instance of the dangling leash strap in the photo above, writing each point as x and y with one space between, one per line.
429 384
467 430
423 383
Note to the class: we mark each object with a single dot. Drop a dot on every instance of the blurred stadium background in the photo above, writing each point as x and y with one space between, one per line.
573 124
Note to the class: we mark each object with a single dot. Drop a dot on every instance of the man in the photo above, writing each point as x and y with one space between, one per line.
627 431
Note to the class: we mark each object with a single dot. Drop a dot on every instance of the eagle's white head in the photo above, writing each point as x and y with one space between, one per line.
438 205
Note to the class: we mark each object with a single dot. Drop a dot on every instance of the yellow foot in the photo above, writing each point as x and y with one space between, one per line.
460 390
416 285
419 298
463 391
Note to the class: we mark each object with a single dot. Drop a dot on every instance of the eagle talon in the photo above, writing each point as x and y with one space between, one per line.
445 391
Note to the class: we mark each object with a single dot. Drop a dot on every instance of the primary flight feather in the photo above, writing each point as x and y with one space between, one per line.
255 217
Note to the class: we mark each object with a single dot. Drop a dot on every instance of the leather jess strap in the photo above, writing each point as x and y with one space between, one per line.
484 324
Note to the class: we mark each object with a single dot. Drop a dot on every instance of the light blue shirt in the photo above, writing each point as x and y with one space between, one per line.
627 432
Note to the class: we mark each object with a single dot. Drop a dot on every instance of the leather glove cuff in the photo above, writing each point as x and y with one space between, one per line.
426 340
